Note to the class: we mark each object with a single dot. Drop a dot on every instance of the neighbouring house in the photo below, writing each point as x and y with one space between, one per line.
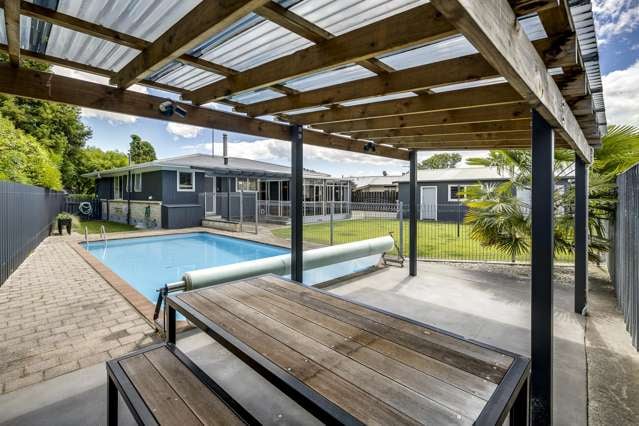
440 192
374 189
181 191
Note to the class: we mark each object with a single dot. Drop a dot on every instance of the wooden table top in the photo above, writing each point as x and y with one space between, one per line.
357 363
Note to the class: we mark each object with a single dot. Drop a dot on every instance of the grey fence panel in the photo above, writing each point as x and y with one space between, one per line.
25 215
625 267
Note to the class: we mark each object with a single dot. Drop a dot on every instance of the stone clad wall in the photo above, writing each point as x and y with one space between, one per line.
118 212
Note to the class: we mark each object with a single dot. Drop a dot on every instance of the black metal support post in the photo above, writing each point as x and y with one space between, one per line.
543 148
581 236
412 228
296 191
112 402
169 323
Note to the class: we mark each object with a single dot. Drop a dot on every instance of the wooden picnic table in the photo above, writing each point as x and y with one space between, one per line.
349 363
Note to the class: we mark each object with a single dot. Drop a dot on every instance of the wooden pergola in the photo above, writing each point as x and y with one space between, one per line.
501 91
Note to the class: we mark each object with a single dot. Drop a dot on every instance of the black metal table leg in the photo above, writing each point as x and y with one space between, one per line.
112 402
519 413
169 321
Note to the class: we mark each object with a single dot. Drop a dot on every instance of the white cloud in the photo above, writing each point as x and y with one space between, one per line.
273 150
112 118
615 17
180 130
621 95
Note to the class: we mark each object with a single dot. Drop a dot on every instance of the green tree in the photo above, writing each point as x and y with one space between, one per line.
92 159
141 151
445 160
56 127
24 160
492 222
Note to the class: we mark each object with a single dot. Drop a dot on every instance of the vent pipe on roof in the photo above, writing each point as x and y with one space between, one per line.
225 149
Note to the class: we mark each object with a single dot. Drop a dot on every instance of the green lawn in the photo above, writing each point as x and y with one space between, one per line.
93 226
435 240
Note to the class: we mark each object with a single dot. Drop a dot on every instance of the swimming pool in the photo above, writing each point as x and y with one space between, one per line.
148 263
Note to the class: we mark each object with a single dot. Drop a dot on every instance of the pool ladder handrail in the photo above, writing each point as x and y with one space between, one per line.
86 235
103 233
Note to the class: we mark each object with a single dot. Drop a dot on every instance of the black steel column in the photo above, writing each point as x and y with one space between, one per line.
296 191
581 235
412 228
543 148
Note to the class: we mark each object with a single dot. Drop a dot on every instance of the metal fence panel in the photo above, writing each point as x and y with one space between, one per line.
623 265
25 215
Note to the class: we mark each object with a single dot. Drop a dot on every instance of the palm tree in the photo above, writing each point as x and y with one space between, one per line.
498 219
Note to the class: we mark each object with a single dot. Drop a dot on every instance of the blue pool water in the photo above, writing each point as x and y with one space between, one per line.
148 263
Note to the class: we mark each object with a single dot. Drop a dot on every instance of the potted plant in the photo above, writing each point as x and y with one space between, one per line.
64 219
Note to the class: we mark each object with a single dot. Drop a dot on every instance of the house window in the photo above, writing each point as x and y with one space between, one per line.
117 192
137 182
457 192
245 184
186 181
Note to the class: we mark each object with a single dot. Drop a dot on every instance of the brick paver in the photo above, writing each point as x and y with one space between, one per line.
59 315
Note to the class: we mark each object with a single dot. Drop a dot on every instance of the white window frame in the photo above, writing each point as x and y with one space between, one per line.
192 189
257 184
456 200
117 194
137 182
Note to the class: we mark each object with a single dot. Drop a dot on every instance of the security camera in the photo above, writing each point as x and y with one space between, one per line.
168 108
179 110
369 147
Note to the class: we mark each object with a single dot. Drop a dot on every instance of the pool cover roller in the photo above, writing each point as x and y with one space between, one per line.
281 265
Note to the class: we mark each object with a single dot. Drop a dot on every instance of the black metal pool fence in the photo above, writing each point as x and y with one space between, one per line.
441 231
622 262
25 215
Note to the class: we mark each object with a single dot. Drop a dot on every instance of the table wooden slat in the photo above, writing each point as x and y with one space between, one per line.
444 372
344 394
401 398
375 366
447 395
420 344
207 407
160 397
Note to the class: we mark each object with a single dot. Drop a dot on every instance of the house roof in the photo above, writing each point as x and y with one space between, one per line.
214 165
366 181
456 175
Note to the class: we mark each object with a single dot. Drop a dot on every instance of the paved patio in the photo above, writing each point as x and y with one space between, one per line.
57 322
59 315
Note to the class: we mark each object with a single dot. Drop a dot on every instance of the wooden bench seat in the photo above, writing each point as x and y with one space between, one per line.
160 385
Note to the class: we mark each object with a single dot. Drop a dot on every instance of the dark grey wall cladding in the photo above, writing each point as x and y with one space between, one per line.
25 215
170 194
447 211
181 216
623 264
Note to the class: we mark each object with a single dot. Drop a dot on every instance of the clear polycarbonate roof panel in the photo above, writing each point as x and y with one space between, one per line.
341 16
185 76
452 48
256 96
330 78
391 97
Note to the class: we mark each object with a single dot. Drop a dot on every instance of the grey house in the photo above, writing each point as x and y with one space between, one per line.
440 191
182 191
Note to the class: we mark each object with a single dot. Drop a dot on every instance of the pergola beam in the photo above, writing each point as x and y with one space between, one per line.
12 26
486 136
498 94
201 23
493 29
458 70
420 25
452 129
56 88
457 116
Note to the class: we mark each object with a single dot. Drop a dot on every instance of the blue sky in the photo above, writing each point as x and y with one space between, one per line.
618 34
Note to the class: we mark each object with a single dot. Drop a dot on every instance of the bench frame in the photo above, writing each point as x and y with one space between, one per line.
119 383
